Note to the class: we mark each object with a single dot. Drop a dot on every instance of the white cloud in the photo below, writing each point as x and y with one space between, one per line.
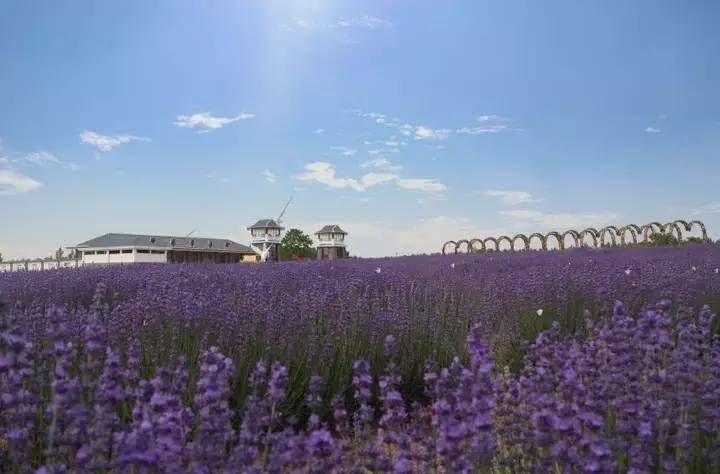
269 176
325 173
364 21
381 163
652 130
209 122
108 142
13 182
710 208
44 158
375 151
428 185
512 198
343 150
488 124
426 133
560 221
318 131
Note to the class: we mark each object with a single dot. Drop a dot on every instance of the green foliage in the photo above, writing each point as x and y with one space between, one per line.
658 239
295 244
59 254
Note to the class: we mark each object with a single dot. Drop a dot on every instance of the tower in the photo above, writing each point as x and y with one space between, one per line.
331 243
265 236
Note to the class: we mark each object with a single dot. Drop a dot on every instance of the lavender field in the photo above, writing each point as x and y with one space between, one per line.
574 361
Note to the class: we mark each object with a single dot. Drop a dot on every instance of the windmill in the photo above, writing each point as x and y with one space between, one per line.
268 238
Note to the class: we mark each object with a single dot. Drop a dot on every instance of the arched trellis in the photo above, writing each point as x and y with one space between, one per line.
607 231
703 231
624 230
504 238
474 243
670 226
539 236
460 243
598 237
575 235
558 237
449 243
492 240
592 232
524 239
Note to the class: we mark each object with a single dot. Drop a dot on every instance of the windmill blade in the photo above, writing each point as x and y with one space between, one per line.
192 232
282 213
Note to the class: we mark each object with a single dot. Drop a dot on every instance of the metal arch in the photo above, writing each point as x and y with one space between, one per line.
682 223
623 230
575 235
703 231
459 244
607 230
672 225
477 241
493 240
592 232
506 239
674 228
558 237
449 242
543 242
522 237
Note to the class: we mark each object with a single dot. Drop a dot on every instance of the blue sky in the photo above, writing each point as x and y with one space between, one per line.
407 122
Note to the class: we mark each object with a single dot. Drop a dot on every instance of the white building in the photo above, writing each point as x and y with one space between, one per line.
135 248
331 243
265 236
35 265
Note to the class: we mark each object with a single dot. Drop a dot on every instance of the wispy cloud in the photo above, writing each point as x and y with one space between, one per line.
269 176
709 208
426 133
343 150
108 142
14 182
44 158
206 121
421 184
652 130
381 163
366 22
318 131
488 124
559 221
512 198
326 174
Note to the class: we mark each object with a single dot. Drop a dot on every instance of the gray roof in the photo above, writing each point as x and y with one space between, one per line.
331 229
266 223
166 242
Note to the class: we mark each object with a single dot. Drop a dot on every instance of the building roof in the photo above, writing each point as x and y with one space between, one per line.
266 223
331 229
165 242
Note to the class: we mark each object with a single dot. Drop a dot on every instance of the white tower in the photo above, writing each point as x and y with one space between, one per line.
331 243
265 237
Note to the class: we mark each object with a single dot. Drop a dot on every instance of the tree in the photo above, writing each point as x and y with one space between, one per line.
296 243
0 257
59 254
660 239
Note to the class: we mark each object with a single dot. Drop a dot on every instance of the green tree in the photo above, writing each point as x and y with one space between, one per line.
0 257
59 254
659 239
296 243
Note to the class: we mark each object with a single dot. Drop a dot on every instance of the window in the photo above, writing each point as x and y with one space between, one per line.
89 252
114 252
101 252
156 252
127 251
142 251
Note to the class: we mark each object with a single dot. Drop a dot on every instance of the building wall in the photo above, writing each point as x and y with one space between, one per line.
331 253
38 265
